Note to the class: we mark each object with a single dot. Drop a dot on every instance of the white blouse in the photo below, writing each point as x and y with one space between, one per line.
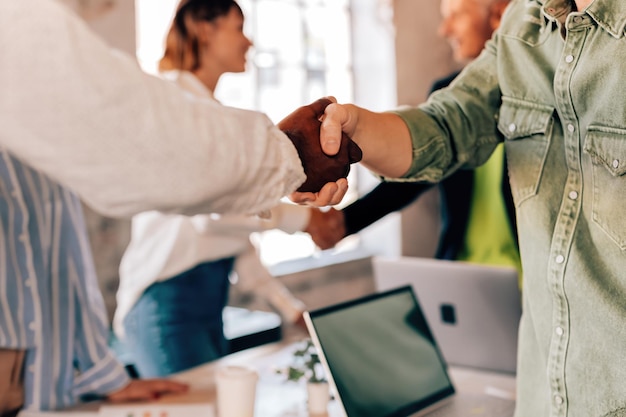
164 245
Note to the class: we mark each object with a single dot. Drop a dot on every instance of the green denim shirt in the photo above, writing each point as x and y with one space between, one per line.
551 85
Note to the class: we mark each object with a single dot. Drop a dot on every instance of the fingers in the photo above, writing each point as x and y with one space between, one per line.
147 389
319 105
331 193
303 198
301 323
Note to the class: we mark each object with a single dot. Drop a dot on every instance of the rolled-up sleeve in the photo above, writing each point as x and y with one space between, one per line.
457 126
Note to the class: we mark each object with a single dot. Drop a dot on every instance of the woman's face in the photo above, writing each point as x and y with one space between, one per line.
227 45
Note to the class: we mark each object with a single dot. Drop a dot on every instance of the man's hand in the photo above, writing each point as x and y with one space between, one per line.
323 171
301 324
330 194
147 389
339 120
326 228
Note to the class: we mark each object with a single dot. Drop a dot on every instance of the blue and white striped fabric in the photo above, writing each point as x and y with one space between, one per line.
50 302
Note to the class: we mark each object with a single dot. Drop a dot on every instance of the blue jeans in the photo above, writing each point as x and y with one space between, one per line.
177 324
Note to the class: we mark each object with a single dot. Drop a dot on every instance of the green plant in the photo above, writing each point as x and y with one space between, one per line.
305 365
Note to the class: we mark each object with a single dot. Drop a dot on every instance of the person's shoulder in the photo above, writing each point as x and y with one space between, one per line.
520 17
188 82
444 81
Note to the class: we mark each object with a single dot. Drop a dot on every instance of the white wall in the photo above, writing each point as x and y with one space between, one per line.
421 57
374 57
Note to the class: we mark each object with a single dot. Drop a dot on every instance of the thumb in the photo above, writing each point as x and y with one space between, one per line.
330 131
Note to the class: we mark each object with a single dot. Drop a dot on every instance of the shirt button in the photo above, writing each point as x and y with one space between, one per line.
578 19
32 325
31 368
512 127
573 195
569 59
558 399
570 127
615 163
28 282
559 330
560 259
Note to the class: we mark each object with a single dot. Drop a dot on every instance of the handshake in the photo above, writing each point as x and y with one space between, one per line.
303 128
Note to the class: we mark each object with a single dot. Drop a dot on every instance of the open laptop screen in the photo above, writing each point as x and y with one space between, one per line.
381 354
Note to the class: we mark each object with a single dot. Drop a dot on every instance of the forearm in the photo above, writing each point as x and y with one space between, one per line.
289 218
255 278
386 198
123 140
455 128
385 141
103 377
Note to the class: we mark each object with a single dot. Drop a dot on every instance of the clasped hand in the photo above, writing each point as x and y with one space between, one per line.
326 164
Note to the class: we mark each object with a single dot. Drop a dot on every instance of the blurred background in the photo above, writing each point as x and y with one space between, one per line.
379 54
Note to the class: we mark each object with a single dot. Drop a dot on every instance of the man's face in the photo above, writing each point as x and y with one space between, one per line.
466 26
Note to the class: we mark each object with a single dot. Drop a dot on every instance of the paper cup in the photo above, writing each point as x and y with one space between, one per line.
236 391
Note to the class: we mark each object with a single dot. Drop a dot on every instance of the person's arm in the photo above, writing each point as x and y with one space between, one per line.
386 198
327 228
383 137
146 390
290 218
455 128
123 140
98 372
254 277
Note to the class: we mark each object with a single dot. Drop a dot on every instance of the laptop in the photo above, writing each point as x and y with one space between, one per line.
382 360
473 310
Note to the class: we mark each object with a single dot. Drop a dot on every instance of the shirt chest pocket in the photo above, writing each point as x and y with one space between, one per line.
527 128
607 149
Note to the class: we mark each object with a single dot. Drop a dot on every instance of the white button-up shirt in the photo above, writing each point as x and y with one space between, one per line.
126 141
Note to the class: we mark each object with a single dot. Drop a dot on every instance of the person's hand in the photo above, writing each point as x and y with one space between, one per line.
324 172
301 324
146 389
338 121
330 194
326 228
383 137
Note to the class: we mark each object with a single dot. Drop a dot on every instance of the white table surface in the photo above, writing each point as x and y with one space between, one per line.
275 396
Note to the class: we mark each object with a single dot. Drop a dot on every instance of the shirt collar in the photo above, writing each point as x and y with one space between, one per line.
188 82
608 14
